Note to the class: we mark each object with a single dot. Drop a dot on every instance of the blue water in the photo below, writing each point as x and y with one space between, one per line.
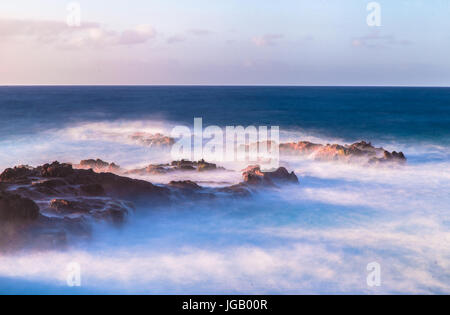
316 237
349 113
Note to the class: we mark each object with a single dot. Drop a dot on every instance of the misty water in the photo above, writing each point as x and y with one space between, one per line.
315 237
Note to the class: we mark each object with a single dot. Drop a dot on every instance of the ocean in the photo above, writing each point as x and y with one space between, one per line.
318 237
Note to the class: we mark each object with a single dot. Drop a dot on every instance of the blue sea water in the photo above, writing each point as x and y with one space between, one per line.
314 238
349 113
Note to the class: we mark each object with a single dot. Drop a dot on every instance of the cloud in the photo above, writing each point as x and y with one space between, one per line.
175 39
200 32
88 34
266 40
376 40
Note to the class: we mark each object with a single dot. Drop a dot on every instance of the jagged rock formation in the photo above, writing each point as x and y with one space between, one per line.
148 139
14 208
183 165
359 151
43 207
254 176
98 166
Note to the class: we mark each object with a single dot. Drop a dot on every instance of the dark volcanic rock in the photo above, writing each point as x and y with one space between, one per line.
55 202
92 189
389 157
18 174
254 176
185 184
100 209
14 208
56 169
98 166
240 190
357 152
149 139
63 206
182 165
282 175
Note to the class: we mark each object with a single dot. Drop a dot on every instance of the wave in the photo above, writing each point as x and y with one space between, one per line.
314 238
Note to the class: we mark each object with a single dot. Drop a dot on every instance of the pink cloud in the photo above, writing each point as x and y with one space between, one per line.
266 40
88 34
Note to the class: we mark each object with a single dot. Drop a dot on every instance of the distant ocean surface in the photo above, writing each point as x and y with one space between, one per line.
349 113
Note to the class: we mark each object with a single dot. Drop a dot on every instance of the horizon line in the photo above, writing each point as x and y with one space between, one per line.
217 85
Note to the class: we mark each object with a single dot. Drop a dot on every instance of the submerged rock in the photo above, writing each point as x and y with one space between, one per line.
254 176
185 184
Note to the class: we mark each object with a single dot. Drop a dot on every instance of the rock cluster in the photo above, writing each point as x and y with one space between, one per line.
46 205
359 151
98 166
149 139
254 176
182 165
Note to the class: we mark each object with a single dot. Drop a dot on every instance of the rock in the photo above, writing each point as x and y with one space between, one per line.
182 165
185 184
148 139
357 152
238 191
62 206
301 147
205 166
98 166
14 208
92 189
152 169
51 183
56 169
100 209
55 202
18 174
282 175
389 157
254 176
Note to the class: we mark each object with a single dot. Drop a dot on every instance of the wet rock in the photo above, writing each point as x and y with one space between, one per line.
18 174
301 147
56 169
98 166
149 139
357 152
92 189
182 165
99 209
398 158
238 191
152 169
185 184
51 183
254 176
16 209
62 206
205 166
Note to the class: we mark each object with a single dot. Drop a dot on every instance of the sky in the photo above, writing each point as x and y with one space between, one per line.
225 42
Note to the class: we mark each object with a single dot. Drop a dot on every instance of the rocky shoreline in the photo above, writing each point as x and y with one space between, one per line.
362 151
43 207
